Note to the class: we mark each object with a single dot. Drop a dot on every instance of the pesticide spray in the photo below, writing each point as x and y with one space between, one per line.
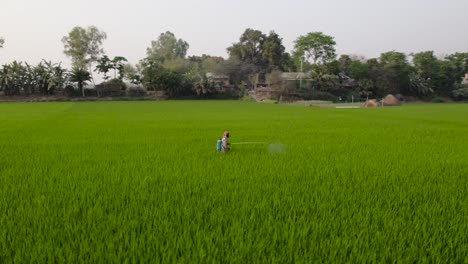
273 148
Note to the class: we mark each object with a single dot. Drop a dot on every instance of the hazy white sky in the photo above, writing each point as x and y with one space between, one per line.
33 28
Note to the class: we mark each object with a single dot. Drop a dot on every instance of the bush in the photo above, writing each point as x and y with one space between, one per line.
438 99
114 87
71 91
461 94
90 92
247 98
229 95
322 96
136 91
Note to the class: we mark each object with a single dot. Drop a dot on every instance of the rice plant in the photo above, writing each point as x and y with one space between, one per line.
113 182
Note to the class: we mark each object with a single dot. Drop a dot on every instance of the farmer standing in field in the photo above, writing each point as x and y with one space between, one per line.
224 142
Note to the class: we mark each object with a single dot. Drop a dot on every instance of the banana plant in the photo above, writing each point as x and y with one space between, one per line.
45 78
12 78
53 78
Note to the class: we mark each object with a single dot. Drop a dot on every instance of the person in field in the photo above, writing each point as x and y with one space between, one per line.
224 142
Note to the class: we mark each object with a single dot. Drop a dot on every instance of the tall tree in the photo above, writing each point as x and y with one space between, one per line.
246 57
103 66
167 47
132 73
156 77
426 64
452 69
273 53
236 70
256 54
376 73
249 47
427 73
345 63
118 63
316 47
84 45
396 72
358 70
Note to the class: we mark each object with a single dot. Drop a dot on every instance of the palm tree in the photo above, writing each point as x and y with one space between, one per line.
80 76
419 85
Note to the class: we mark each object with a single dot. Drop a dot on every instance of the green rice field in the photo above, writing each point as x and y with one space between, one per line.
142 182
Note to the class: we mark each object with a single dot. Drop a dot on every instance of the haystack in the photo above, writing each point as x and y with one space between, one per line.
371 103
390 100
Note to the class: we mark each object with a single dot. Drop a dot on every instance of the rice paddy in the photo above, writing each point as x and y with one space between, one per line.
115 182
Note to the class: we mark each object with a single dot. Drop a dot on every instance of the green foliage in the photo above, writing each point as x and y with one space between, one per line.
237 71
206 62
461 94
426 64
156 77
178 65
315 46
366 88
45 78
143 183
83 45
420 86
257 55
2 42
81 77
136 91
199 68
48 77
70 91
104 65
249 48
118 64
13 78
395 78
322 96
167 47
277 84
438 99
113 87
358 70
131 74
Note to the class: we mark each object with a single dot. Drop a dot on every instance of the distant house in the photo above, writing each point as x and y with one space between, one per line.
294 76
218 82
265 91
346 81
218 78
465 79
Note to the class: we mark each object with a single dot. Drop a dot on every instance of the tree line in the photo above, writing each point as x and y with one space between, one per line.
258 59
